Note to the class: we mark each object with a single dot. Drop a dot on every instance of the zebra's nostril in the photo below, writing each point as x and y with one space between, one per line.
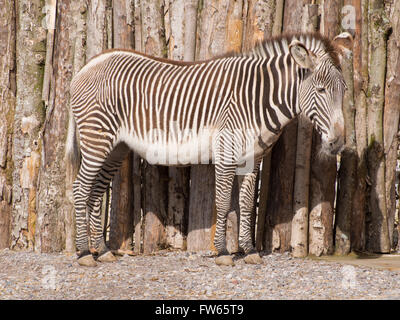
333 142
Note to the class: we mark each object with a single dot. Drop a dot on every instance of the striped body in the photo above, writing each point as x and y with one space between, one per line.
227 110
181 118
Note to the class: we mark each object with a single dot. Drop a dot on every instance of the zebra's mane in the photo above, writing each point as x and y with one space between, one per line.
313 41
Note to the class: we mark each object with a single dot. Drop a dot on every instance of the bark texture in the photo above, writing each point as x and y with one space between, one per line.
391 115
121 213
347 175
283 159
28 118
377 224
7 109
299 233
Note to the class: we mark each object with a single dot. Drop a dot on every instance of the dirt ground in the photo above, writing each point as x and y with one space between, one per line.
185 275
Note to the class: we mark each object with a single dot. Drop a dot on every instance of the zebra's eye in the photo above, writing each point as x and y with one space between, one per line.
320 90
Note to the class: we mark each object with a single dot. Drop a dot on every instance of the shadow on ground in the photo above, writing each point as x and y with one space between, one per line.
378 261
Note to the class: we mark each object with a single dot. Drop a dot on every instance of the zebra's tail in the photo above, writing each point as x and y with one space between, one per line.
72 152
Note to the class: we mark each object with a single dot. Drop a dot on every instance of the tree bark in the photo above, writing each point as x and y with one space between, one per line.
7 109
391 114
96 40
360 62
377 227
322 192
283 159
347 176
155 203
121 213
220 29
274 30
180 28
54 209
28 117
299 235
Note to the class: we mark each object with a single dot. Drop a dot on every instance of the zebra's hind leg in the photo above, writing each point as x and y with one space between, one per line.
246 204
224 175
81 193
107 172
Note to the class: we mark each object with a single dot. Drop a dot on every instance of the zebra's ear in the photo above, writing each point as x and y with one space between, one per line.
303 57
344 44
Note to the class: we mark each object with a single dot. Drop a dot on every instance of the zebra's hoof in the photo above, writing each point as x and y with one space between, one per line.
87 261
107 257
253 258
225 260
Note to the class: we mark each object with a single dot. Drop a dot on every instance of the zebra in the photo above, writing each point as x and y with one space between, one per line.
229 110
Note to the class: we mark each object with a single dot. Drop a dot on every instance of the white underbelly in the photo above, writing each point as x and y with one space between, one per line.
196 150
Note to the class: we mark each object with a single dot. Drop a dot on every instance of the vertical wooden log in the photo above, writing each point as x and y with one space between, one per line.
377 228
283 160
299 236
28 117
347 176
180 28
322 190
137 161
78 41
360 61
202 195
330 19
155 179
96 40
7 109
53 209
266 162
391 113
220 29
121 213
260 19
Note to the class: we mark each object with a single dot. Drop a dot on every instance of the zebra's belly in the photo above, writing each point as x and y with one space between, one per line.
196 150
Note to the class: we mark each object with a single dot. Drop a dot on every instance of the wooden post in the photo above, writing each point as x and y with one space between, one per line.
7 109
220 29
260 19
54 209
121 214
377 228
391 114
299 235
137 161
155 178
180 26
283 159
28 117
275 30
360 62
322 191
347 176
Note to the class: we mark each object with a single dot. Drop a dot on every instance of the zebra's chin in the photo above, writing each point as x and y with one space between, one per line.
328 150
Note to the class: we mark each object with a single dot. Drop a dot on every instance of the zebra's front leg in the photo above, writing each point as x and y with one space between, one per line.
224 175
246 204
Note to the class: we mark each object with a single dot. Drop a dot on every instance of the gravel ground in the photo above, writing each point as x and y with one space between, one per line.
184 275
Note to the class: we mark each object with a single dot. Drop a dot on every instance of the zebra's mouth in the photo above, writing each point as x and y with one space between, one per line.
332 150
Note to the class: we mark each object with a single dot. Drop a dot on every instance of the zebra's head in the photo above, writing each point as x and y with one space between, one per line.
321 92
